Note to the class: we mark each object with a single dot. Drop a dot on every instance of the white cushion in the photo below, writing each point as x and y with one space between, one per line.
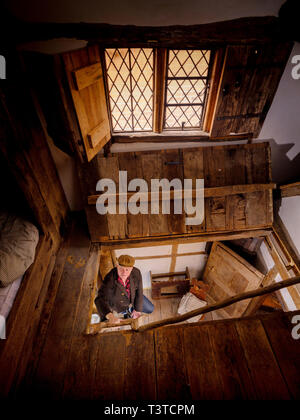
188 303
18 241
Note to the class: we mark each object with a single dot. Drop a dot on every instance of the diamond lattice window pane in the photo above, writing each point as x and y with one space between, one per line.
130 85
188 63
185 91
183 116
187 84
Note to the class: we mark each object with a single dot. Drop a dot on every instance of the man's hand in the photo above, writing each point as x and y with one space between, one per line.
135 314
113 319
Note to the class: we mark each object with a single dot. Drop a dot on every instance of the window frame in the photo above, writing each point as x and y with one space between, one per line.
187 129
160 57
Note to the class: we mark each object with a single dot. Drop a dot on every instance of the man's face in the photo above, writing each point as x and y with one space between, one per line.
123 271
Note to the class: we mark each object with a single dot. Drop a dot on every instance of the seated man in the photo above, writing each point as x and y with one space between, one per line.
122 291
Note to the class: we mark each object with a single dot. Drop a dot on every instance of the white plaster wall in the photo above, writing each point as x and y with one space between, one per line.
68 176
289 213
282 126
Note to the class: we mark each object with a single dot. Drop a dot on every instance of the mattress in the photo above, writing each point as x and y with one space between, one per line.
7 297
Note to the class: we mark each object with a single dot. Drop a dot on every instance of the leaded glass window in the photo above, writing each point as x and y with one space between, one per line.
130 85
186 88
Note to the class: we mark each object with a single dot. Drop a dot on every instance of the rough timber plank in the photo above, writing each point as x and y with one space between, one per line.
172 382
231 363
262 364
46 314
140 383
110 370
152 167
176 222
285 349
54 356
130 162
201 365
193 169
83 351
31 346
117 223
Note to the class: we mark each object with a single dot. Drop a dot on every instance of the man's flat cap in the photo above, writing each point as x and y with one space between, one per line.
126 260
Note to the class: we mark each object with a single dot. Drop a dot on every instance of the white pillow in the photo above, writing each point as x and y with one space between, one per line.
188 303
18 241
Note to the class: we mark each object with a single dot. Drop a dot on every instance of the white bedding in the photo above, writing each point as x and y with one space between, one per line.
18 241
7 297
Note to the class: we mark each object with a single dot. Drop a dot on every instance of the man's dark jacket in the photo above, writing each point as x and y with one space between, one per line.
112 294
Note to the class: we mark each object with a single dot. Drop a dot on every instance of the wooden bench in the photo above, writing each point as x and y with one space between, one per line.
181 286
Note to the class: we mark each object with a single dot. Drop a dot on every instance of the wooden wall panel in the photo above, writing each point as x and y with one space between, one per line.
86 83
227 275
237 181
193 168
24 146
250 79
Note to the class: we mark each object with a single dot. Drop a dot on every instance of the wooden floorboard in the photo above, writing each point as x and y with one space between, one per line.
201 365
83 352
49 377
56 275
26 313
262 364
140 378
172 381
110 370
286 350
230 362
248 358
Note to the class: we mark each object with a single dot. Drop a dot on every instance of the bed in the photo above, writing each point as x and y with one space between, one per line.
18 242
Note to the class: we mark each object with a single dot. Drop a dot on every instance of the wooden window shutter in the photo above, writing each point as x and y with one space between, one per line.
85 78
251 75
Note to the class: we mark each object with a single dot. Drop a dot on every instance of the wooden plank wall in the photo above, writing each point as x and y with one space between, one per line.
219 166
24 146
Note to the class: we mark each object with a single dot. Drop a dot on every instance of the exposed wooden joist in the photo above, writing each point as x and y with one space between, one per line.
282 236
182 239
282 269
256 302
183 254
290 190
